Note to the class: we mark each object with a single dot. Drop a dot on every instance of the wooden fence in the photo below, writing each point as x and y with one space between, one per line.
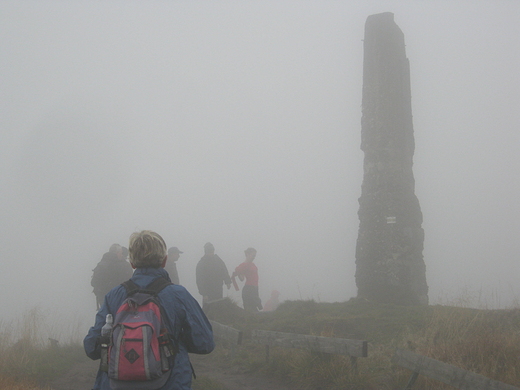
227 334
446 373
351 348
418 364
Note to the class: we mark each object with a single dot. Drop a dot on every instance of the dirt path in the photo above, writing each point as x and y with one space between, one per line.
83 375
233 378
80 377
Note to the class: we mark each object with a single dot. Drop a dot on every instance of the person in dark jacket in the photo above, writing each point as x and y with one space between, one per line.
211 274
184 318
113 269
171 266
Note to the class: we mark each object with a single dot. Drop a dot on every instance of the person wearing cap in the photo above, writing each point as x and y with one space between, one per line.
211 274
171 267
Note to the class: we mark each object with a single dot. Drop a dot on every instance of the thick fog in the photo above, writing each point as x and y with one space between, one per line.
238 123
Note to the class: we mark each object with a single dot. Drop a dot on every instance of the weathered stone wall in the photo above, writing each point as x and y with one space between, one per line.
389 260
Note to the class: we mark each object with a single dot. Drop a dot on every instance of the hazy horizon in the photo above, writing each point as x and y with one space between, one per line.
238 123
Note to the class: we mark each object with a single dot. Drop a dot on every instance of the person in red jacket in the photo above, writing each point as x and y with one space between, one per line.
249 271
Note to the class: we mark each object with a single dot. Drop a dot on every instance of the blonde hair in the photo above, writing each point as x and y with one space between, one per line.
146 249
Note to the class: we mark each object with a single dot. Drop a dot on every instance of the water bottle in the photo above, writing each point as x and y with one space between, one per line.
105 340
164 349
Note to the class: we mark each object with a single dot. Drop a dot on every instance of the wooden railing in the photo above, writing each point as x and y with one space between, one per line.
418 364
229 335
351 348
446 373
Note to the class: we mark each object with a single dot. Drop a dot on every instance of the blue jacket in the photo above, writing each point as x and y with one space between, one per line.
190 327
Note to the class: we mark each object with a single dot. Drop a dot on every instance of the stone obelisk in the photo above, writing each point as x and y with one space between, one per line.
389 253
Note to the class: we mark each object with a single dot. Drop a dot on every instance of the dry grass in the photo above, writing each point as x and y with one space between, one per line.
27 356
9 383
486 342
482 341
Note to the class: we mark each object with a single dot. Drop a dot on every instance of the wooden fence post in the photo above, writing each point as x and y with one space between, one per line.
228 334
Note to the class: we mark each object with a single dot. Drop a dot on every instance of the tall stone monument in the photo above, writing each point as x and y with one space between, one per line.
389 260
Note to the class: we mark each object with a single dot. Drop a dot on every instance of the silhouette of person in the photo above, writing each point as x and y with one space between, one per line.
211 274
171 266
273 302
113 269
249 271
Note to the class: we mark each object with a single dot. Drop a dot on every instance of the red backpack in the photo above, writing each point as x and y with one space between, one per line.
141 349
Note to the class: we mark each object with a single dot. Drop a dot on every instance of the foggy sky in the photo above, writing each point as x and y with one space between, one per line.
239 123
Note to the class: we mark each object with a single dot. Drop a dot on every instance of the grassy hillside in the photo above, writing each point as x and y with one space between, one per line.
482 341
29 357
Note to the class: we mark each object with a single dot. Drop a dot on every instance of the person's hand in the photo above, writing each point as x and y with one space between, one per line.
228 285
241 277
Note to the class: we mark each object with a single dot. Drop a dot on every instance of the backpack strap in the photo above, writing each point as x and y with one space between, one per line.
130 287
156 286
153 288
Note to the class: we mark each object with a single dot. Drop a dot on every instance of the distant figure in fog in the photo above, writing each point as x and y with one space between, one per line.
249 271
211 274
273 302
171 266
112 270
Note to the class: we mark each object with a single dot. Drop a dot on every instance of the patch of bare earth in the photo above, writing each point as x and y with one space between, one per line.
79 377
233 377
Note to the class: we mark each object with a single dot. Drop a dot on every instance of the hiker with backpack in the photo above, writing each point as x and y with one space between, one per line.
155 325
